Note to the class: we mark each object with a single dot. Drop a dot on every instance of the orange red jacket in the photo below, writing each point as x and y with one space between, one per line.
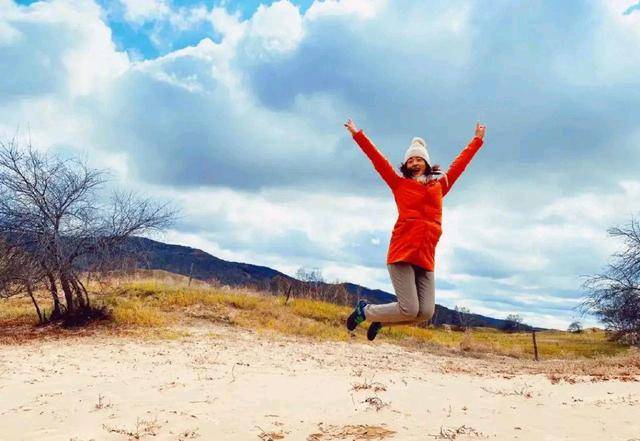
418 228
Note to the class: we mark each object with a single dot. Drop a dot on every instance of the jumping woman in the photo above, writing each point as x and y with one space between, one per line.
410 260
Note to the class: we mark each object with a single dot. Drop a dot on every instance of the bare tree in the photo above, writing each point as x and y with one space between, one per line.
53 209
463 317
575 327
311 275
19 274
614 295
336 292
310 283
513 322
313 280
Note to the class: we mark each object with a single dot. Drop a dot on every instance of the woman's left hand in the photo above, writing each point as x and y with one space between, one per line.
480 129
351 126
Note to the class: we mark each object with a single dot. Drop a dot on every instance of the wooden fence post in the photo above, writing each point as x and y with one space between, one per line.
535 345
286 300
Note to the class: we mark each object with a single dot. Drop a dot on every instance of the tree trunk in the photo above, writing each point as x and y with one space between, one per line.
84 291
33 299
68 293
79 291
286 300
73 280
53 288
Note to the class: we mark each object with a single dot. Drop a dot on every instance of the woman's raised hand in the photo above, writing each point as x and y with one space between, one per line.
480 129
351 126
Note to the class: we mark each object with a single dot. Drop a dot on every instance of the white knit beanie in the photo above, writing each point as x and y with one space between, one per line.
418 148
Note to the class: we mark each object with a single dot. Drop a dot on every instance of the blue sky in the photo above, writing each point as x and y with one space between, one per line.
233 110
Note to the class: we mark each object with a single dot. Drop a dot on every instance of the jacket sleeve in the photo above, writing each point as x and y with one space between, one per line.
459 164
380 163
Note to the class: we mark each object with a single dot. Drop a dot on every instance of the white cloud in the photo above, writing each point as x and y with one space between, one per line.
83 55
374 278
198 241
94 63
140 11
273 30
186 18
365 9
226 23
327 219
531 239
8 34
166 21
182 18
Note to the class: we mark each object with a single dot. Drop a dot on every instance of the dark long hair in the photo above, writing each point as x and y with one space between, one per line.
406 172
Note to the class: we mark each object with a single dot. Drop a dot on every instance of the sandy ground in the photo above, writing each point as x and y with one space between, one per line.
226 384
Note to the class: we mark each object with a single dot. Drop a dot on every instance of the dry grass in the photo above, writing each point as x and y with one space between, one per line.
20 311
351 432
158 306
624 367
551 344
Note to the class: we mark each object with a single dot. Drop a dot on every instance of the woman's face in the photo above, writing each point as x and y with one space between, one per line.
417 165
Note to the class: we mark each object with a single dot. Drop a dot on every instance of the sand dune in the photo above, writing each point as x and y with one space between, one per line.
221 383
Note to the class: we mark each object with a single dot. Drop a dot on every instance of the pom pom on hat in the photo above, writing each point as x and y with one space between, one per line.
418 148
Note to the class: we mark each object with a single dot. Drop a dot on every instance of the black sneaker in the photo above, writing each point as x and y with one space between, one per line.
373 330
357 316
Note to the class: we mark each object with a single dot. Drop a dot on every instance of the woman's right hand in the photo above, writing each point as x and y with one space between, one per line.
480 130
351 126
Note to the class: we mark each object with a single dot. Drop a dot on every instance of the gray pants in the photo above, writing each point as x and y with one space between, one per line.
415 290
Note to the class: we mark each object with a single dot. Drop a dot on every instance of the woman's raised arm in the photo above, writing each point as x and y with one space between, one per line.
462 160
380 163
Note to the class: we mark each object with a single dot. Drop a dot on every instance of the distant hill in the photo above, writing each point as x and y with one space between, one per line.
151 254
